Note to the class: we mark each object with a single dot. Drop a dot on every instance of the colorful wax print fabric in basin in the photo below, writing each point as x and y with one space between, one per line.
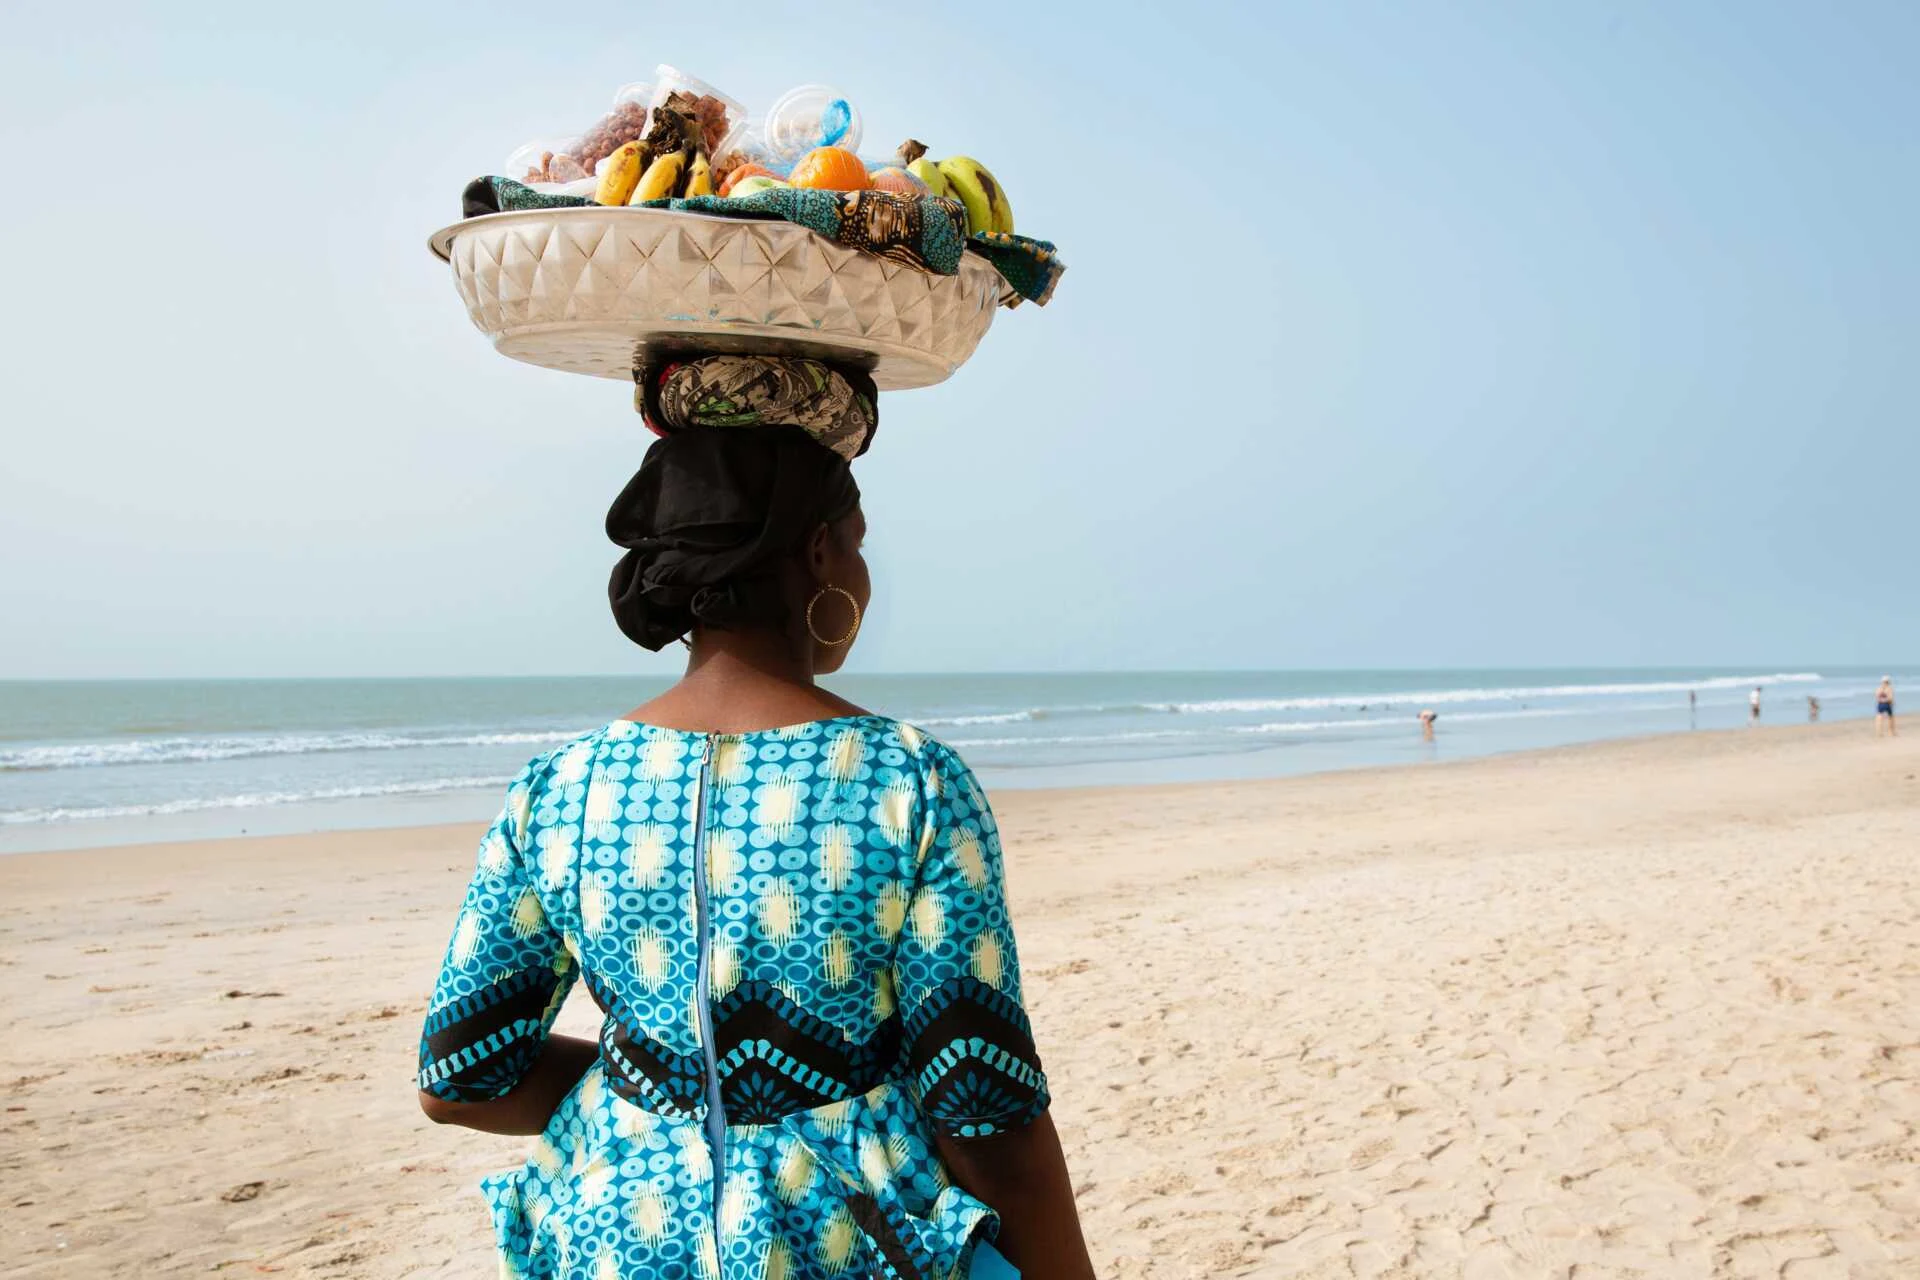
927 232
800 940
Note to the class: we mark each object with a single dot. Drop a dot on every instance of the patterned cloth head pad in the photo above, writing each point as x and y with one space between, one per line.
839 408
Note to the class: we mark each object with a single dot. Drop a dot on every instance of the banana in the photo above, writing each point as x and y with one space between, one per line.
912 157
618 174
979 204
987 206
700 177
661 177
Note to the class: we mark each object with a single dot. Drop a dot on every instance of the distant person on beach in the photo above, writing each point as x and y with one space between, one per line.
1813 709
815 1057
1753 704
1426 725
1883 709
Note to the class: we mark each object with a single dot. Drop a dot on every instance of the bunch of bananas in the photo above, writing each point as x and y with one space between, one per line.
964 179
686 172
670 161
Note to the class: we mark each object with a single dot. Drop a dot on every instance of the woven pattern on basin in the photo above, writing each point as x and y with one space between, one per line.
592 290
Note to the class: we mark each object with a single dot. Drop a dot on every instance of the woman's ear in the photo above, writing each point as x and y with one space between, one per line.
820 552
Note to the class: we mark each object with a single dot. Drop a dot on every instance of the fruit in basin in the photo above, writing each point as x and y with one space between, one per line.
912 157
754 185
742 173
830 169
898 181
987 206
619 174
661 178
700 177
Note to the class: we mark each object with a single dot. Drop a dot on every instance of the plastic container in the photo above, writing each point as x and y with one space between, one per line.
546 161
640 91
813 115
624 121
720 117
744 147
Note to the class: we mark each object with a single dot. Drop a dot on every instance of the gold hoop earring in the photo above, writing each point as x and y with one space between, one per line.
815 600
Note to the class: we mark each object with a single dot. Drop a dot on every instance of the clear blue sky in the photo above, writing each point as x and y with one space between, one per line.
1411 335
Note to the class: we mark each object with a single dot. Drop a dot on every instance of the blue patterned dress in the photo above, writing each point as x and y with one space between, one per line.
790 1017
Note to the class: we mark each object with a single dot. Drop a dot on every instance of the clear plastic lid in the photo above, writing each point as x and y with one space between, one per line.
813 115
640 91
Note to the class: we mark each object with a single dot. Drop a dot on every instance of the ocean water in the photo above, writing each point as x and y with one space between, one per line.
99 762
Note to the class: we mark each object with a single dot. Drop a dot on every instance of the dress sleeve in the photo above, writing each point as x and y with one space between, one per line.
969 1048
505 974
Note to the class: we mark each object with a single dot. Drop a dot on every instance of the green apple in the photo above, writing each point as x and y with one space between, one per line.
755 185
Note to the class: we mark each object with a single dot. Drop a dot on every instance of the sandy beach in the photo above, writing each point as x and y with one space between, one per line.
1646 1008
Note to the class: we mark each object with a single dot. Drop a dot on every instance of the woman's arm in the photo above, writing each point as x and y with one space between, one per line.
1023 1176
525 1109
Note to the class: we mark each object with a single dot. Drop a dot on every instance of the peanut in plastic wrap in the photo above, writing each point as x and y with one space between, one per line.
625 123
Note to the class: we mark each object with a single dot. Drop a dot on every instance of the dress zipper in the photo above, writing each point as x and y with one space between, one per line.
716 1125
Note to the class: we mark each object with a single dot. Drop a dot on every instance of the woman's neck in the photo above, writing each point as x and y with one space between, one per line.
746 659
738 681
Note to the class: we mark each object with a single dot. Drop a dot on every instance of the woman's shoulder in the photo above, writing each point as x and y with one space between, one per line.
945 775
568 761
911 738
574 760
911 748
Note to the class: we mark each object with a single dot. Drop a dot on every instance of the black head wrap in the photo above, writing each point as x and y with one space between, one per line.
709 522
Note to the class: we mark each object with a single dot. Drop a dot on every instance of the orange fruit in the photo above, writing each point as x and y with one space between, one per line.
830 169
744 172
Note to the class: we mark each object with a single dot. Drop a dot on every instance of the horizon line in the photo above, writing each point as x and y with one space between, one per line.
1757 668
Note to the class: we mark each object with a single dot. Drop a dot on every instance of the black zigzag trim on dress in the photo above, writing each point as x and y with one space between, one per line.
971 1048
649 1075
962 1009
777 1059
472 1021
642 1070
